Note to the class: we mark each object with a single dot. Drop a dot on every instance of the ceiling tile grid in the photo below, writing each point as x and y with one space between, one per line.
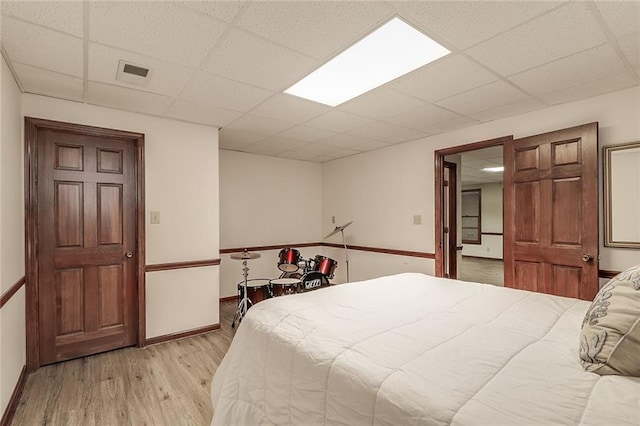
226 63
42 47
161 30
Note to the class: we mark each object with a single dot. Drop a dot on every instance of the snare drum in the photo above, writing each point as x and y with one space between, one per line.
314 280
284 286
257 290
288 259
324 265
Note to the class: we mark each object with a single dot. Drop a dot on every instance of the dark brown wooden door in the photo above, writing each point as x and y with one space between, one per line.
551 212
451 222
86 245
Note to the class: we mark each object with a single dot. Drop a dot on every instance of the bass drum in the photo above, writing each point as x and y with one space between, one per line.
314 280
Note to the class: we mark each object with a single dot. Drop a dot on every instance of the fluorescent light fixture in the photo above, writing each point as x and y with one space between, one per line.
494 169
389 52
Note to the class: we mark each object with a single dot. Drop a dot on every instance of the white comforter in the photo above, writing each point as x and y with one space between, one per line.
414 349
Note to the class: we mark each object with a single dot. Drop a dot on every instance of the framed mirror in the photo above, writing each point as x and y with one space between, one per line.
622 195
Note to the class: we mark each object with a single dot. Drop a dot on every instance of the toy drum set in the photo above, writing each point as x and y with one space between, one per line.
298 275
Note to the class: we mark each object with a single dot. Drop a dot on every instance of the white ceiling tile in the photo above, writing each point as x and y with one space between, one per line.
630 46
164 78
370 146
236 138
622 17
593 64
338 121
48 83
465 23
565 31
491 96
65 16
593 88
223 93
317 28
341 153
345 141
306 133
290 108
196 112
34 45
381 103
282 144
220 9
444 78
322 159
158 29
254 123
386 132
515 108
263 149
127 99
455 124
423 118
244 57
316 149
297 155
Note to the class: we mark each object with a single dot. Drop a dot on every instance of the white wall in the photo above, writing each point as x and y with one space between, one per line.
12 315
382 190
491 221
181 182
266 201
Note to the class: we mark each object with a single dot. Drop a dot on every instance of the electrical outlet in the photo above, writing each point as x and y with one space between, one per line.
417 219
155 218
333 219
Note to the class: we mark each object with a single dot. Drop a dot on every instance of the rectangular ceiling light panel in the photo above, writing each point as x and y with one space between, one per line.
389 52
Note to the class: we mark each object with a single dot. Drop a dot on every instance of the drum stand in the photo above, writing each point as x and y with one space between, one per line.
245 303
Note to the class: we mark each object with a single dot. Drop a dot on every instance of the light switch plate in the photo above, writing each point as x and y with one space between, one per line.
417 219
155 218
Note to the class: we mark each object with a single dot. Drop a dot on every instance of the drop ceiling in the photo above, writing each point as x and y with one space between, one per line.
226 64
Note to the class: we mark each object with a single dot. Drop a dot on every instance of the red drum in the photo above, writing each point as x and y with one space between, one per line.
284 286
314 280
257 290
288 259
325 266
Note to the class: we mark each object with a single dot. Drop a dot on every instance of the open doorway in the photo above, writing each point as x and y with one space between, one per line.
477 252
480 223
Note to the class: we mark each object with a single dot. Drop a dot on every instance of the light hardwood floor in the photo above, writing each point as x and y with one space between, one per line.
165 384
488 271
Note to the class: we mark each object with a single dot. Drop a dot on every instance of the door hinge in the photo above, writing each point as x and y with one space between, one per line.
446 229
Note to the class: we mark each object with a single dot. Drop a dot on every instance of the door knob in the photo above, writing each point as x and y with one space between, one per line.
587 257
128 255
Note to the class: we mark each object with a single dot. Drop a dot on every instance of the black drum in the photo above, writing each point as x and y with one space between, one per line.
257 290
288 259
284 286
325 266
314 280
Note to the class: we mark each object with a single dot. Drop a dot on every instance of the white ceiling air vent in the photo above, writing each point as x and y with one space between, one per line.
132 74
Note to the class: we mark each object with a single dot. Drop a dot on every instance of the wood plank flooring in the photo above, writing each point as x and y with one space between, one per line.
479 270
165 384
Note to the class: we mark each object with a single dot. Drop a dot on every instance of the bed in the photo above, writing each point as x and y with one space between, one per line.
414 349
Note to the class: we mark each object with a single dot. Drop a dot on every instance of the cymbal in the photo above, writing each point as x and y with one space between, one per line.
245 255
338 229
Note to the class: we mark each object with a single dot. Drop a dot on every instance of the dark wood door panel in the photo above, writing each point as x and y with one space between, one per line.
551 212
87 222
